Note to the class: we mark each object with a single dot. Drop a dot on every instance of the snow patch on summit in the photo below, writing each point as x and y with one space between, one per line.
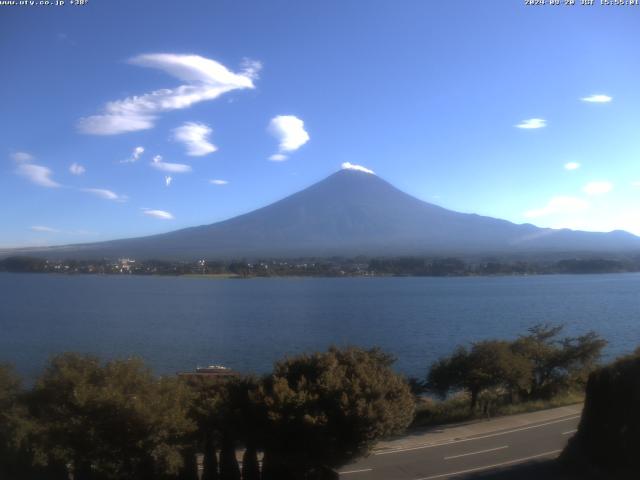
359 168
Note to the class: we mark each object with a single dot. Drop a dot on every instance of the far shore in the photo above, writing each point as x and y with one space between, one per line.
206 275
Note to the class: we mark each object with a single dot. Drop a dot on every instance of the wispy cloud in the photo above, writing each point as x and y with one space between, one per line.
251 68
359 168
43 229
169 167
167 180
571 166
218 182
135 155
636 184
77 169
532 123
559 205
21 157
597 98
195 136
291 135
105 194
597 188
161 214
205 79
37 174
46 229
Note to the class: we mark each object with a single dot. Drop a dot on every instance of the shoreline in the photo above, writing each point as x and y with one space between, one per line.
227 276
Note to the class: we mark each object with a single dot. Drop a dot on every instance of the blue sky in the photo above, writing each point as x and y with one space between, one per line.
244 102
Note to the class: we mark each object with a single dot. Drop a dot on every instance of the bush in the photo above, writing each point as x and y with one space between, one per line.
327 408
110 421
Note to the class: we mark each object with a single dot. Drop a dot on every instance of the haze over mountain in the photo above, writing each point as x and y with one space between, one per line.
350 213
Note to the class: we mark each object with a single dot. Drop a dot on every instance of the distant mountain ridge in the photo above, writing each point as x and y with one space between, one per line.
350 213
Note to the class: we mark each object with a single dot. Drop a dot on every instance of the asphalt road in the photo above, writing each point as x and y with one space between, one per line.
468 455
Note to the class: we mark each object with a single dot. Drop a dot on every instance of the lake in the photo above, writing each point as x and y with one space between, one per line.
178 323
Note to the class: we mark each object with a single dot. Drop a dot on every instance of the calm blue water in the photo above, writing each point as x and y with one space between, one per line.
177 323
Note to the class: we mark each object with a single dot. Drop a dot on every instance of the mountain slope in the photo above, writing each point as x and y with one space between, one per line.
352 213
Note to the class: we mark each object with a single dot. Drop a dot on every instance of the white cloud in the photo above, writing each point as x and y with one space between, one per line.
635 184
571 166
34 173
251 68
105 194
200 70
597 98
195 136
359 168
167 180
206 80
559 205
532 123
290 132
597 188
21 157
135 155
43 229
169 167
161 214
218 182
113 124
77 169
37 174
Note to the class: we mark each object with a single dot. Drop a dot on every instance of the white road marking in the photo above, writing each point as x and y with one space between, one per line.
488 467
355 471
450 442
476 453
569 432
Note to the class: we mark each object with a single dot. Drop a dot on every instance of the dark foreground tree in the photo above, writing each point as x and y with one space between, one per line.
607 444
250 466
326 408
208 396
228 417
16 427
110 421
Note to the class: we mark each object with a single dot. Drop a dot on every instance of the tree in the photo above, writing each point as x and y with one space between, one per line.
536 365
579 356
23 264
111 421
449 373
326 408
488 365
227 416
607 443
229 468
16 427
208 396
557 363
250 466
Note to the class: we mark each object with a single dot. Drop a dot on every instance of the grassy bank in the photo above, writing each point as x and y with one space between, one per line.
431 412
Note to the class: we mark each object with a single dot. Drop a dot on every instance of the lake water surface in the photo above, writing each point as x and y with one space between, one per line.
177 323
